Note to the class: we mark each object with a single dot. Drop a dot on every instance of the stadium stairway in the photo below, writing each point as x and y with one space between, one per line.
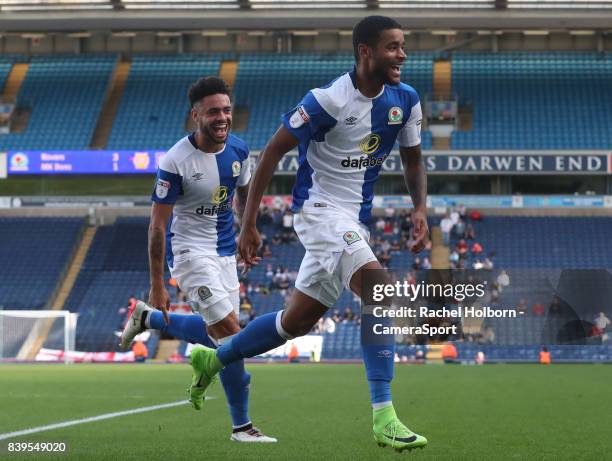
442 89
442 71
439 251
39 335
14 81
74 269
228 72
104 126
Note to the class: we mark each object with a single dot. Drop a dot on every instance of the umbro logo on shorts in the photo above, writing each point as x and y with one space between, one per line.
351 237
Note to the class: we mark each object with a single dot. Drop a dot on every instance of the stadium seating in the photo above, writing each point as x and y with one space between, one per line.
546 242
116 267
65 96
529 353
534 100
33 254
154 105
271 84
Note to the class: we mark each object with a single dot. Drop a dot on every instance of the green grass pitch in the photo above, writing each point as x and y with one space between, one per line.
493 412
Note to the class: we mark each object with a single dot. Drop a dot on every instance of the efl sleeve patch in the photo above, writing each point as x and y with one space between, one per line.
168 187
307 119
410 134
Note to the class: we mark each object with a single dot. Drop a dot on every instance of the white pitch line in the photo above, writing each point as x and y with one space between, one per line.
92 419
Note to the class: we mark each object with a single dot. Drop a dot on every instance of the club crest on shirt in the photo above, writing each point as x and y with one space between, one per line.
162 188
351 237
396 115
204 293
299 117
236 167
219 195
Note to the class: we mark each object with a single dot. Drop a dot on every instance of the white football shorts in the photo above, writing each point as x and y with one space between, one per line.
210 284
336 247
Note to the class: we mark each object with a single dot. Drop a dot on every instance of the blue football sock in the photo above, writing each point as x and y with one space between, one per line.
262 334
378 354
234 377
190 328
236 380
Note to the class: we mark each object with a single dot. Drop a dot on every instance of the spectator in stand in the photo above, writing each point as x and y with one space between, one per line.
347 315
389 212
454 216
380 225
269 271
395 246
426 263
459 228
475 215
462 248
266 251
461 210
336 316
388 229
287 221
601 324
416 265
522 307
476 248
489 335
503 280
453 258
329 326
478 264
469 233
446 225
384 257
495 292
538 309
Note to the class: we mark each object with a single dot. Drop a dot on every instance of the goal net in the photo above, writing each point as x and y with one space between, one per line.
23 333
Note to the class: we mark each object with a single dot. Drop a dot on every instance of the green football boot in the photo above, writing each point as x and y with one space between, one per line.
389 431
205 367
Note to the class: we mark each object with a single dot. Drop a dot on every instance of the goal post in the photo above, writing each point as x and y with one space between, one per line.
24 332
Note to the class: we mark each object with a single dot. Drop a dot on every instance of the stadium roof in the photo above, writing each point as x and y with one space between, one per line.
83 5
71 15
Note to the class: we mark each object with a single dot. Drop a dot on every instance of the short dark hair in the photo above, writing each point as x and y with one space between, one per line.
206 86
367 31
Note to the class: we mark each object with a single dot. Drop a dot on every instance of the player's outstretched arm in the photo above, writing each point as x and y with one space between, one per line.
415 176
158 296
248 241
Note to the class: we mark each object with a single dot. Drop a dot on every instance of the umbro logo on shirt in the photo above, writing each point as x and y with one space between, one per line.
350 121
197 176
